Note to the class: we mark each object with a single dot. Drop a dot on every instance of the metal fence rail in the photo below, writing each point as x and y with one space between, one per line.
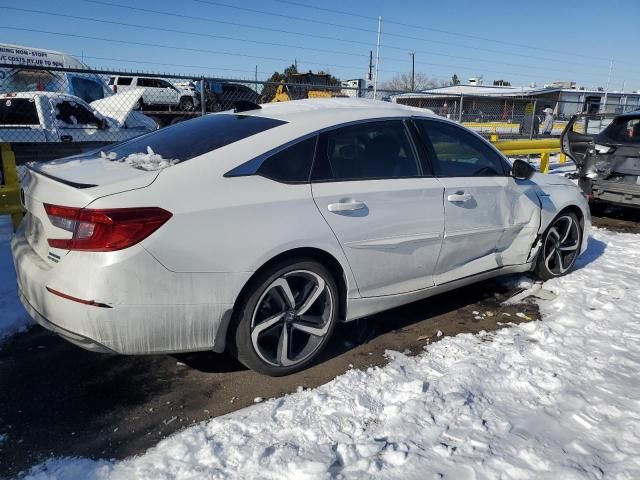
51 112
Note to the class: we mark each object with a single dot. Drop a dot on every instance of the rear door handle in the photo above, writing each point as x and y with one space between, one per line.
348 205
460 197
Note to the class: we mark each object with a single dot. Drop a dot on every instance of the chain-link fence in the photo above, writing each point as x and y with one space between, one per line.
51 112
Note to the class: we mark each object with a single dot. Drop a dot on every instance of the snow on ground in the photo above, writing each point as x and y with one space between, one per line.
13 317
558 398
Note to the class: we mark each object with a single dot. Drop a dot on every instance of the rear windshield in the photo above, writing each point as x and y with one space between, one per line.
18 111
623 130
190 139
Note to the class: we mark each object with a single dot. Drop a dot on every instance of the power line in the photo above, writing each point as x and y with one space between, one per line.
200 34
351 27
437 30
83 55
323 37
174 47
223 22
184 32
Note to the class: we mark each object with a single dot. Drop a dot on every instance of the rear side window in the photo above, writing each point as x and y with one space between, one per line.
372 150
459 153
124 80
291 165
186 140
18 111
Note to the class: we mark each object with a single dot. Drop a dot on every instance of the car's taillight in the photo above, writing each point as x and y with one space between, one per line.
115 88
104 230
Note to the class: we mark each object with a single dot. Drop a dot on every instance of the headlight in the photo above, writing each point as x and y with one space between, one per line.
602 149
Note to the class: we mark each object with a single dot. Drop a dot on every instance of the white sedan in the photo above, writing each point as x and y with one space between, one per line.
257 230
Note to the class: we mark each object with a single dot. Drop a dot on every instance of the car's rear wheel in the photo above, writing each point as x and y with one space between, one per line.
287 317
560 247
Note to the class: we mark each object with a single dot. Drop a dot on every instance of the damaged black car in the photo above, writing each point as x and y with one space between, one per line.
608 163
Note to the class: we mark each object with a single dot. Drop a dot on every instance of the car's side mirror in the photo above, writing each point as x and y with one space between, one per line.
522 170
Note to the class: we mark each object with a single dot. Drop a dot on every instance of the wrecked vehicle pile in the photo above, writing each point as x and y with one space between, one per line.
608 163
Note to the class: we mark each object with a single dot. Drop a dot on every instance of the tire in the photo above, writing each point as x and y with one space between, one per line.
561 244
265 320
185 104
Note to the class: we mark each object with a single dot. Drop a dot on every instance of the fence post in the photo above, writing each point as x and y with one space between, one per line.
533 119
203 105
460 110
10 190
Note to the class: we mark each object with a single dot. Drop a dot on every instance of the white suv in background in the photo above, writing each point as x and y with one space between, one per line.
157 92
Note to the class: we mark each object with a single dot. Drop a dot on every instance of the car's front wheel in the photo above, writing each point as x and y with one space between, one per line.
560 247
286 317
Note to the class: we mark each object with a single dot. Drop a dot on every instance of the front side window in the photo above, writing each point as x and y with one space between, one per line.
291 165
72 114
124 80
372 150
458 153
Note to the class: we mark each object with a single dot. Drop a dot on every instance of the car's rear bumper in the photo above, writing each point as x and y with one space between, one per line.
616 193
140 307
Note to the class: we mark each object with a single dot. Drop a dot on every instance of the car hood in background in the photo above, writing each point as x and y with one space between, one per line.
118 107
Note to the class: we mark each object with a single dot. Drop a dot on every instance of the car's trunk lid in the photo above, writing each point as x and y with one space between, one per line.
71 183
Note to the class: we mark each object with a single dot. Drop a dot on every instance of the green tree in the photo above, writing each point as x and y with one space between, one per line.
455 80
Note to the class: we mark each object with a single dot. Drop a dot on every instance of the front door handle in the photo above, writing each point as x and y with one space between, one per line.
459 197
347 205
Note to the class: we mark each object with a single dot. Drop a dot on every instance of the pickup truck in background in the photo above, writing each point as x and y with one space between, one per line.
47 125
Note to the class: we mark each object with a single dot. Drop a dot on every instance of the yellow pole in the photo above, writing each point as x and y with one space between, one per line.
544 163
563 158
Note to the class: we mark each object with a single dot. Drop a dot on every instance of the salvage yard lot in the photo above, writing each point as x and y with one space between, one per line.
555 398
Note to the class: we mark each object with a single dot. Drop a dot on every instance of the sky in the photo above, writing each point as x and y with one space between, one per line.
524 42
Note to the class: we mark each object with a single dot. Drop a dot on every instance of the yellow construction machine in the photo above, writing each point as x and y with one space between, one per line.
306 85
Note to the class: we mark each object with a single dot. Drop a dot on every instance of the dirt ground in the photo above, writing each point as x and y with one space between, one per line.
59 400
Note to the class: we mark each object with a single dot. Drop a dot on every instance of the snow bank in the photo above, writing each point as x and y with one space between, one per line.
148 161
13 317
551 399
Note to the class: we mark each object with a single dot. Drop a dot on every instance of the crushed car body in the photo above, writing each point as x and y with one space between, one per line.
608 163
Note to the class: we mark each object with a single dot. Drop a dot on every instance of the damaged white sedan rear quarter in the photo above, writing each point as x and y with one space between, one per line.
258 230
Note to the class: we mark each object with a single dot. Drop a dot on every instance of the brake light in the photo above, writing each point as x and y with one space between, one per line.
105 230
115 88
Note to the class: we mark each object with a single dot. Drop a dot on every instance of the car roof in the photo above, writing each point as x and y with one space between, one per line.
319 113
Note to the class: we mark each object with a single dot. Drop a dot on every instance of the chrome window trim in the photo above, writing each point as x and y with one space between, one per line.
252 166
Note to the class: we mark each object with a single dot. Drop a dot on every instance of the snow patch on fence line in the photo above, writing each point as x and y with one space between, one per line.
556 398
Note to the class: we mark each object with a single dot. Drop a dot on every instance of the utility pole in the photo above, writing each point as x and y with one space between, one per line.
370 77
256 78
413 71
606 88
375 83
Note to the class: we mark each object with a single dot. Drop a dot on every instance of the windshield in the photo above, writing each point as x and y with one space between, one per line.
623 130
189 139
